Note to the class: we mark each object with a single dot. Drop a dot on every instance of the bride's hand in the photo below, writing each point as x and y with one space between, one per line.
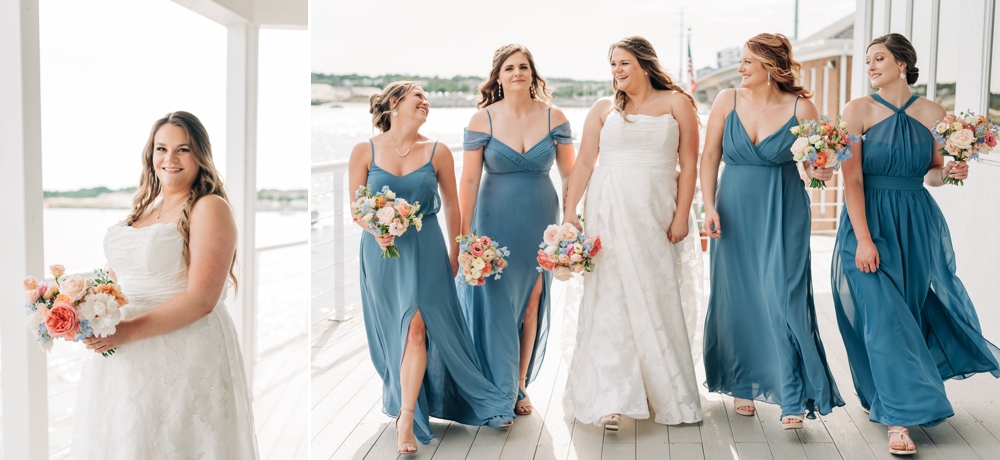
119 338
677 231
711 226
573 219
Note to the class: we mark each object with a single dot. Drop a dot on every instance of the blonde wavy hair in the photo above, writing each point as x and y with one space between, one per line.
208 181
490 91
646 56
379 103
774 52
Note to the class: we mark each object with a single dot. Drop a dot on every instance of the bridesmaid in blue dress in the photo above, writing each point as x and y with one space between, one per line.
761 337
907 322
419 341
513 204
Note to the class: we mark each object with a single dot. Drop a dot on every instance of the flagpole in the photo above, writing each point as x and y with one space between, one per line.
680 55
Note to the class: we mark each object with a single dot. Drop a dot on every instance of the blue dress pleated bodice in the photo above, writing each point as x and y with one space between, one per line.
761 335
516 201
911 324
392 290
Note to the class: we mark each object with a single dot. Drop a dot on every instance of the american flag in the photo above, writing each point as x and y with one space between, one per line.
694 84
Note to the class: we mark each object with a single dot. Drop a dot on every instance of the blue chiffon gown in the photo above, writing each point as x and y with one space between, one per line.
910 325
516 201
761 335
392 290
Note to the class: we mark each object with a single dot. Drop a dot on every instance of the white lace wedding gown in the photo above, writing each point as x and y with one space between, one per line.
180 395
641 303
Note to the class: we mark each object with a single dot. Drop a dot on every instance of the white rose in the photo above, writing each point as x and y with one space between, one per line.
962 139
815 138
941 128
102 312
390 195
489 255
396 228
551 249
73 286
795 130
799 148
368 217
385 215
475 274
478 264
843 125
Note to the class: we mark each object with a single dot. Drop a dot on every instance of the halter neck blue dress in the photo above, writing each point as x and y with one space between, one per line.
392 290
516 201
761 337
910 325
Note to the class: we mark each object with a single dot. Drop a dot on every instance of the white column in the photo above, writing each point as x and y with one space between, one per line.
972 83
241 173
862 36
25 389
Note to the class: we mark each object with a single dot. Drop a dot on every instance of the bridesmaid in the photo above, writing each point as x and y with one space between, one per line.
419 342
761 337
513 204
905 317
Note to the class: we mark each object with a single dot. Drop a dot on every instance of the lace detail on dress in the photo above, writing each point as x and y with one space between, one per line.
181 395
642 303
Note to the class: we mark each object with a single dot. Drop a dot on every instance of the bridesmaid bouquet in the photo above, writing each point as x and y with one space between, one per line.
965 137
384 213
480 257
824 143
565 251
73 308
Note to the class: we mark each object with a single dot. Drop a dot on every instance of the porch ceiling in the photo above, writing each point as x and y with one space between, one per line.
268 14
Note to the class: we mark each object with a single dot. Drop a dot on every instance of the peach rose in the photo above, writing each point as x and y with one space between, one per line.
569 232
799 146
30 283
551 235
486 267
404 209
575 258
73 286
465 259
577 268
501 263
563 259
545 261
962 139
50 291
31 296
111 290
476 249
379 201
990 139
562 273
61 319
57 270
489 255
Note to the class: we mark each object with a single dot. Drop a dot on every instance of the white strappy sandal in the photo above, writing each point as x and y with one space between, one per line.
904 437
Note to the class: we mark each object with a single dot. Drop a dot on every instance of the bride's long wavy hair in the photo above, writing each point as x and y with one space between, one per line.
208 181
645 56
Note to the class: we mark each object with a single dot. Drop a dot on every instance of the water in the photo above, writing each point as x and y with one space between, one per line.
336 130
74 237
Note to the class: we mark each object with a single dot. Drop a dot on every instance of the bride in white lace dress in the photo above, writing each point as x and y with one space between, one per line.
175 388
641 302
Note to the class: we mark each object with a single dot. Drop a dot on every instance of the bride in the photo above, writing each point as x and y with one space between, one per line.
175 388
639 304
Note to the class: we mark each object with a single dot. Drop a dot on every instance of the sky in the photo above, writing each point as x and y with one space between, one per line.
568 38
109 69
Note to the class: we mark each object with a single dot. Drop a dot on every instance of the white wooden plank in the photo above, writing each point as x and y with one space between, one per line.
716 433
822 451
753 451
686 451
746 429
618 451
685 432
456 442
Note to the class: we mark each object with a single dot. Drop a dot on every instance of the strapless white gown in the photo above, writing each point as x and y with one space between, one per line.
181 395
640 308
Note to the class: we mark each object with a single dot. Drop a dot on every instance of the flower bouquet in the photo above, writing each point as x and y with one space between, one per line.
479 258
72 307
384 213
825 144
565 251
965 137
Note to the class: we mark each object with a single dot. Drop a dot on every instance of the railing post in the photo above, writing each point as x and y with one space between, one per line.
339 290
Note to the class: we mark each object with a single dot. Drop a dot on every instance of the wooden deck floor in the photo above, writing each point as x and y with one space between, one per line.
347 421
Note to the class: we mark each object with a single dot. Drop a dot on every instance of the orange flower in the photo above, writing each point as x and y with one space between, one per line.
820 160
827 129
111 290
379 201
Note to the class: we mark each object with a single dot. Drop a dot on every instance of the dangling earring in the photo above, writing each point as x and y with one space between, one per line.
769 79
395 113
902 73
499 91
646 73
531 92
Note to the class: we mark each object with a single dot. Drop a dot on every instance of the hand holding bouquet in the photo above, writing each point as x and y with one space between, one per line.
965 137
72 307
479 258
565 250
823 143
384 213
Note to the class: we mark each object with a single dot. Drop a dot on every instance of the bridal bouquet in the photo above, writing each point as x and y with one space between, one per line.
824 143
384 213
480 257
965 137
565 251
72 307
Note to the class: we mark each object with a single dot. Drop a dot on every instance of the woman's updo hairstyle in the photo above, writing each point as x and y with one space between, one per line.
380 105
774 52
902 50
